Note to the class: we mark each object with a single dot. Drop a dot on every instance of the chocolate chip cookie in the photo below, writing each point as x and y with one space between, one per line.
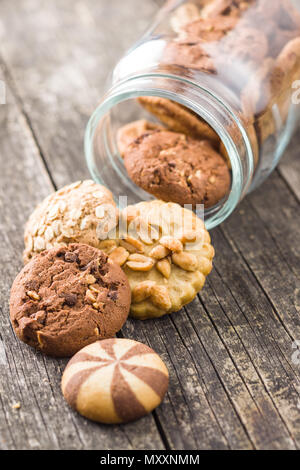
132 131
178 118
177 168
68 297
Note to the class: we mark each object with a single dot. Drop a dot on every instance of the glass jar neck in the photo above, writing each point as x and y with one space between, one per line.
198 98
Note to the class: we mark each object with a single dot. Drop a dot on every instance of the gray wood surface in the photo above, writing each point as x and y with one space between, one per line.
233 381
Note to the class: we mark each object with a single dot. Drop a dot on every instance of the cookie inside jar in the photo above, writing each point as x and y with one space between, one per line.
200 111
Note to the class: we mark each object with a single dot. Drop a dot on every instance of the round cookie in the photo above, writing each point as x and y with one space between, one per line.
234 8
132 131
177 168
166 254
184 15
178 118
70 215
115 381
210 29
197 55
68 297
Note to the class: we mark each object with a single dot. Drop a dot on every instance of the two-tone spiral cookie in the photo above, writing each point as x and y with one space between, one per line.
115 381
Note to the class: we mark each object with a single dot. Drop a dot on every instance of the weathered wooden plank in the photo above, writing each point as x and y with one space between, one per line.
43 420
228 361
289 167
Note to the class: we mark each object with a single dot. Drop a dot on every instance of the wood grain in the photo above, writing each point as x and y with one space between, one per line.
233 383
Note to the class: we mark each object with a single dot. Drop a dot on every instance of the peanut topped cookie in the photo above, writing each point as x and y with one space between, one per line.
68 297
70 215
165 252
177 168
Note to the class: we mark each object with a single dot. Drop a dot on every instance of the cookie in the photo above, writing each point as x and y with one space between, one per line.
197 55
184 15
70 215
132 131
115 381
68 297
245 44
211 29
166 254
178 118
177 168
235 8
262 88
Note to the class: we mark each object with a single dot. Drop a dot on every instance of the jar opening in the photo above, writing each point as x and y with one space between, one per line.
120 107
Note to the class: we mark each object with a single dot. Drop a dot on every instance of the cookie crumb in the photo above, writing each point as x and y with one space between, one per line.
16 406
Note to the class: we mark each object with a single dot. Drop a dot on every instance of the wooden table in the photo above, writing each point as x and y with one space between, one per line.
234 375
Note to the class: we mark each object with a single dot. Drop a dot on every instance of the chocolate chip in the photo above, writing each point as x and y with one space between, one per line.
70 257
70 299
112 295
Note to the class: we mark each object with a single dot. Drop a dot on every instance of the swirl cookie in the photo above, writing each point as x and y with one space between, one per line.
177 168
166 254
115 381
68 297
70 215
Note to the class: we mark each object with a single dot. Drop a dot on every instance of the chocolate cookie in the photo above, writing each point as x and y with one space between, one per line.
177 168
68 297
131 131
115 381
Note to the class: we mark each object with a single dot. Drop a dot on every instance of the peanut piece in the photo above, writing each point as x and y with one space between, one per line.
136 243
119 255
164 267
188 237
171 243
33 295
185 260
208 251
90 296
160 297
127 246
90 279
130 213
138 262
107 246
205 266
159 252
93 289
142 291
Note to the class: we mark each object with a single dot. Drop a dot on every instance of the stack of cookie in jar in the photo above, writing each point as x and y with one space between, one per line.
87 265
248 49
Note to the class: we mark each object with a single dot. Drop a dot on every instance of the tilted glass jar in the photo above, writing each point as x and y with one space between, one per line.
232 64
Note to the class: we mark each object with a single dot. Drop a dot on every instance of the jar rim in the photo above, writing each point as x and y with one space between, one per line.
148 84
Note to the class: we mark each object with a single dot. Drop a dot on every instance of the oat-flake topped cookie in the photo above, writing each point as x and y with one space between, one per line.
70 215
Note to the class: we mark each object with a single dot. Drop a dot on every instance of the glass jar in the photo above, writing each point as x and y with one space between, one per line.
232 65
